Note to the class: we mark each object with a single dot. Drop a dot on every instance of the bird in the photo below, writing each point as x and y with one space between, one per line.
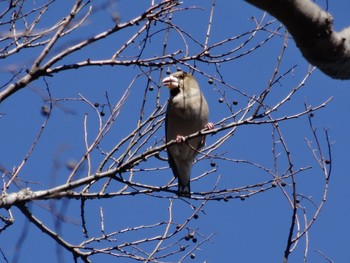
187 113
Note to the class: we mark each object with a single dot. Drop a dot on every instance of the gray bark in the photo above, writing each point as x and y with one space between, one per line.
312 30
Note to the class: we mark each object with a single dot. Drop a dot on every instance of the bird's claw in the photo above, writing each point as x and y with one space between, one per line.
180 139
209 126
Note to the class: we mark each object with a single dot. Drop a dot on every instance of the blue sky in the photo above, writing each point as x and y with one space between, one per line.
253 230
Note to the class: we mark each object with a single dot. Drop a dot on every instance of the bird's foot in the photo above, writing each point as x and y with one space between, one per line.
180 139
209 126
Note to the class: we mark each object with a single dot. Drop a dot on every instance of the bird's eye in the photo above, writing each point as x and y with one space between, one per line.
182 76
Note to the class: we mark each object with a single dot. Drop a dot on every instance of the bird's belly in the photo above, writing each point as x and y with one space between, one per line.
186 150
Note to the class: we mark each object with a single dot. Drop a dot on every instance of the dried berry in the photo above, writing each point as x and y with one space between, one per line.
45 110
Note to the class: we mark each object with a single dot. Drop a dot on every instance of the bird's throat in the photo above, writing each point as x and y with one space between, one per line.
174 91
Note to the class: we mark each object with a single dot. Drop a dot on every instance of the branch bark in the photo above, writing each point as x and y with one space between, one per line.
312 30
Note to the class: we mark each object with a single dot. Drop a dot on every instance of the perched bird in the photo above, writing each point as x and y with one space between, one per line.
187 113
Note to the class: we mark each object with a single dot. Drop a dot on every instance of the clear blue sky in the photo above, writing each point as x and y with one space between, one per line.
253 230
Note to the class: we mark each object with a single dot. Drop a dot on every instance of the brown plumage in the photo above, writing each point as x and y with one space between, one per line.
187 113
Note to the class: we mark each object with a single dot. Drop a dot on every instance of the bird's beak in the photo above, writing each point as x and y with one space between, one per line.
171 82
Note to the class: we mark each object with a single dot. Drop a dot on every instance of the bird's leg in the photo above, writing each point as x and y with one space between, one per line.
180 139
209 126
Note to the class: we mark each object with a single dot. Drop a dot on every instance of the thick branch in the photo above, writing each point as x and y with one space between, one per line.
312 29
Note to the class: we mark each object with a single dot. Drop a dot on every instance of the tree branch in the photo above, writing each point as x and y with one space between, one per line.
312 29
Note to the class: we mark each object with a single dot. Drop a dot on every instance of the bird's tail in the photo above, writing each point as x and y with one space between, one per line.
184 178
184 190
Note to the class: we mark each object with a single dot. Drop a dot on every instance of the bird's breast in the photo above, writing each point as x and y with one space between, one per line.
187 107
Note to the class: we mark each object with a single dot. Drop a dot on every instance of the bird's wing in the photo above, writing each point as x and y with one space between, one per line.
201 104
171 160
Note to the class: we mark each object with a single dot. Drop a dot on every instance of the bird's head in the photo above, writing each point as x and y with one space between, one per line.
182 80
